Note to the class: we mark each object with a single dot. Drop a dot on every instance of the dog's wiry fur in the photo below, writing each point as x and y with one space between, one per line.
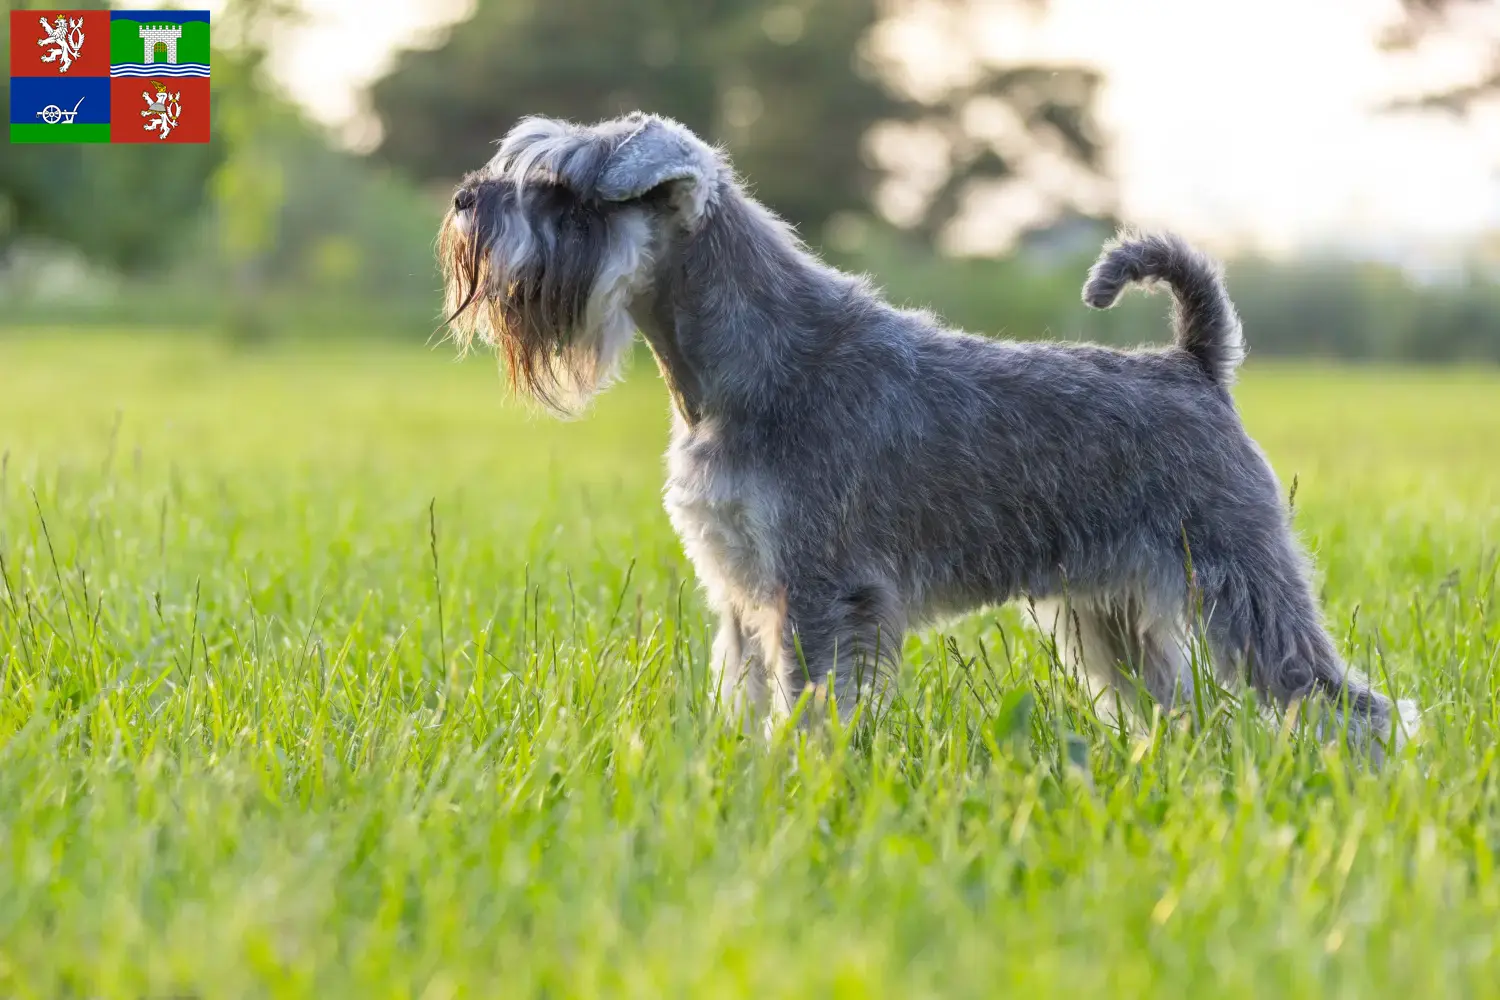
842 470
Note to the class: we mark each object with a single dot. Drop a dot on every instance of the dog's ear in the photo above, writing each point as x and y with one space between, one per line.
656 153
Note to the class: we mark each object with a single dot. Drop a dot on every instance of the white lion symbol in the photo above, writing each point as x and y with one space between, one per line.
165 106
66 35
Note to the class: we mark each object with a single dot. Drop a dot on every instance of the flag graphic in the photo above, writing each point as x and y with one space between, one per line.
109 76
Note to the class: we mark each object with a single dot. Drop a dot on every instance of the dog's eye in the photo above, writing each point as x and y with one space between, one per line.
660 194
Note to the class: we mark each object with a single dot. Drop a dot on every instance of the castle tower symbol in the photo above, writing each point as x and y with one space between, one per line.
161 34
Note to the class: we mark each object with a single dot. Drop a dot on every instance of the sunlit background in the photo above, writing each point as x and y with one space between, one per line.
1348 146
1246 124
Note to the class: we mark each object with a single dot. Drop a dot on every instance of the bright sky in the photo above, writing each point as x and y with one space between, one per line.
1236 121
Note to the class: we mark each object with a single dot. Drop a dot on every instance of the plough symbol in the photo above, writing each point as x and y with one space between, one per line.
52 114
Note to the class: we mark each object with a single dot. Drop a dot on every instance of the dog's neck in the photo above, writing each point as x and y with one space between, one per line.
736 309
656 319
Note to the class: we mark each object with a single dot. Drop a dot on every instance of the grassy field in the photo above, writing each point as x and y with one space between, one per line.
328 672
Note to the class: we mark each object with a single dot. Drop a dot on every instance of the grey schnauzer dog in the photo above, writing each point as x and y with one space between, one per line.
841 470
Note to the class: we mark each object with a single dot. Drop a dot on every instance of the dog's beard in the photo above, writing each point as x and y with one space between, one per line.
555 306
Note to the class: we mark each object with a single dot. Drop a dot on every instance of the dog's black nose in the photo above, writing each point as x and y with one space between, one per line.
464 200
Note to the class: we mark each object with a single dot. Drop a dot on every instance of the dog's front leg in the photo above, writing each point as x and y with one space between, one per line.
739 672
841 641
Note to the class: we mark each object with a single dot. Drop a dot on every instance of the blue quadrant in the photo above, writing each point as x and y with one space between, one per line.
31 96
159 16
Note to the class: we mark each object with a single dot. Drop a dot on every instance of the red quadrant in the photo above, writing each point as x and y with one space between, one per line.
131 95
26 55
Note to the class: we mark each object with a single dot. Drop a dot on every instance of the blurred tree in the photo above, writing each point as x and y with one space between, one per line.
125 207
795 89
248 187
1424 18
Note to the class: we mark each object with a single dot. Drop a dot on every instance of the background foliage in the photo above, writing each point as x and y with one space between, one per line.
275 228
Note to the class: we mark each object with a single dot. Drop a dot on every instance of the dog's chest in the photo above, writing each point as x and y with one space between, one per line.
726 517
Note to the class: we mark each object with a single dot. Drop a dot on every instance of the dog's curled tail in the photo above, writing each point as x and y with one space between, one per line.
1203 317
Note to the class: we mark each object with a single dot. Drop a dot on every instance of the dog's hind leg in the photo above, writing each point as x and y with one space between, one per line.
1087 642
1263 623
1165 658
1115 646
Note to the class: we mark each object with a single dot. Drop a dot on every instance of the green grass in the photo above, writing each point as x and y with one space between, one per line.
245 750
59 132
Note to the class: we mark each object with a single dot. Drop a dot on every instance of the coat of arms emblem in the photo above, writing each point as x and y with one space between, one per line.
65 37
167 108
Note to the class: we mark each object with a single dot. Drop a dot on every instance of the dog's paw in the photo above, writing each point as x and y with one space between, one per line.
1407 724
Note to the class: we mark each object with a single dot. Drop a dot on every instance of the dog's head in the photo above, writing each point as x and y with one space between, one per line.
548 245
